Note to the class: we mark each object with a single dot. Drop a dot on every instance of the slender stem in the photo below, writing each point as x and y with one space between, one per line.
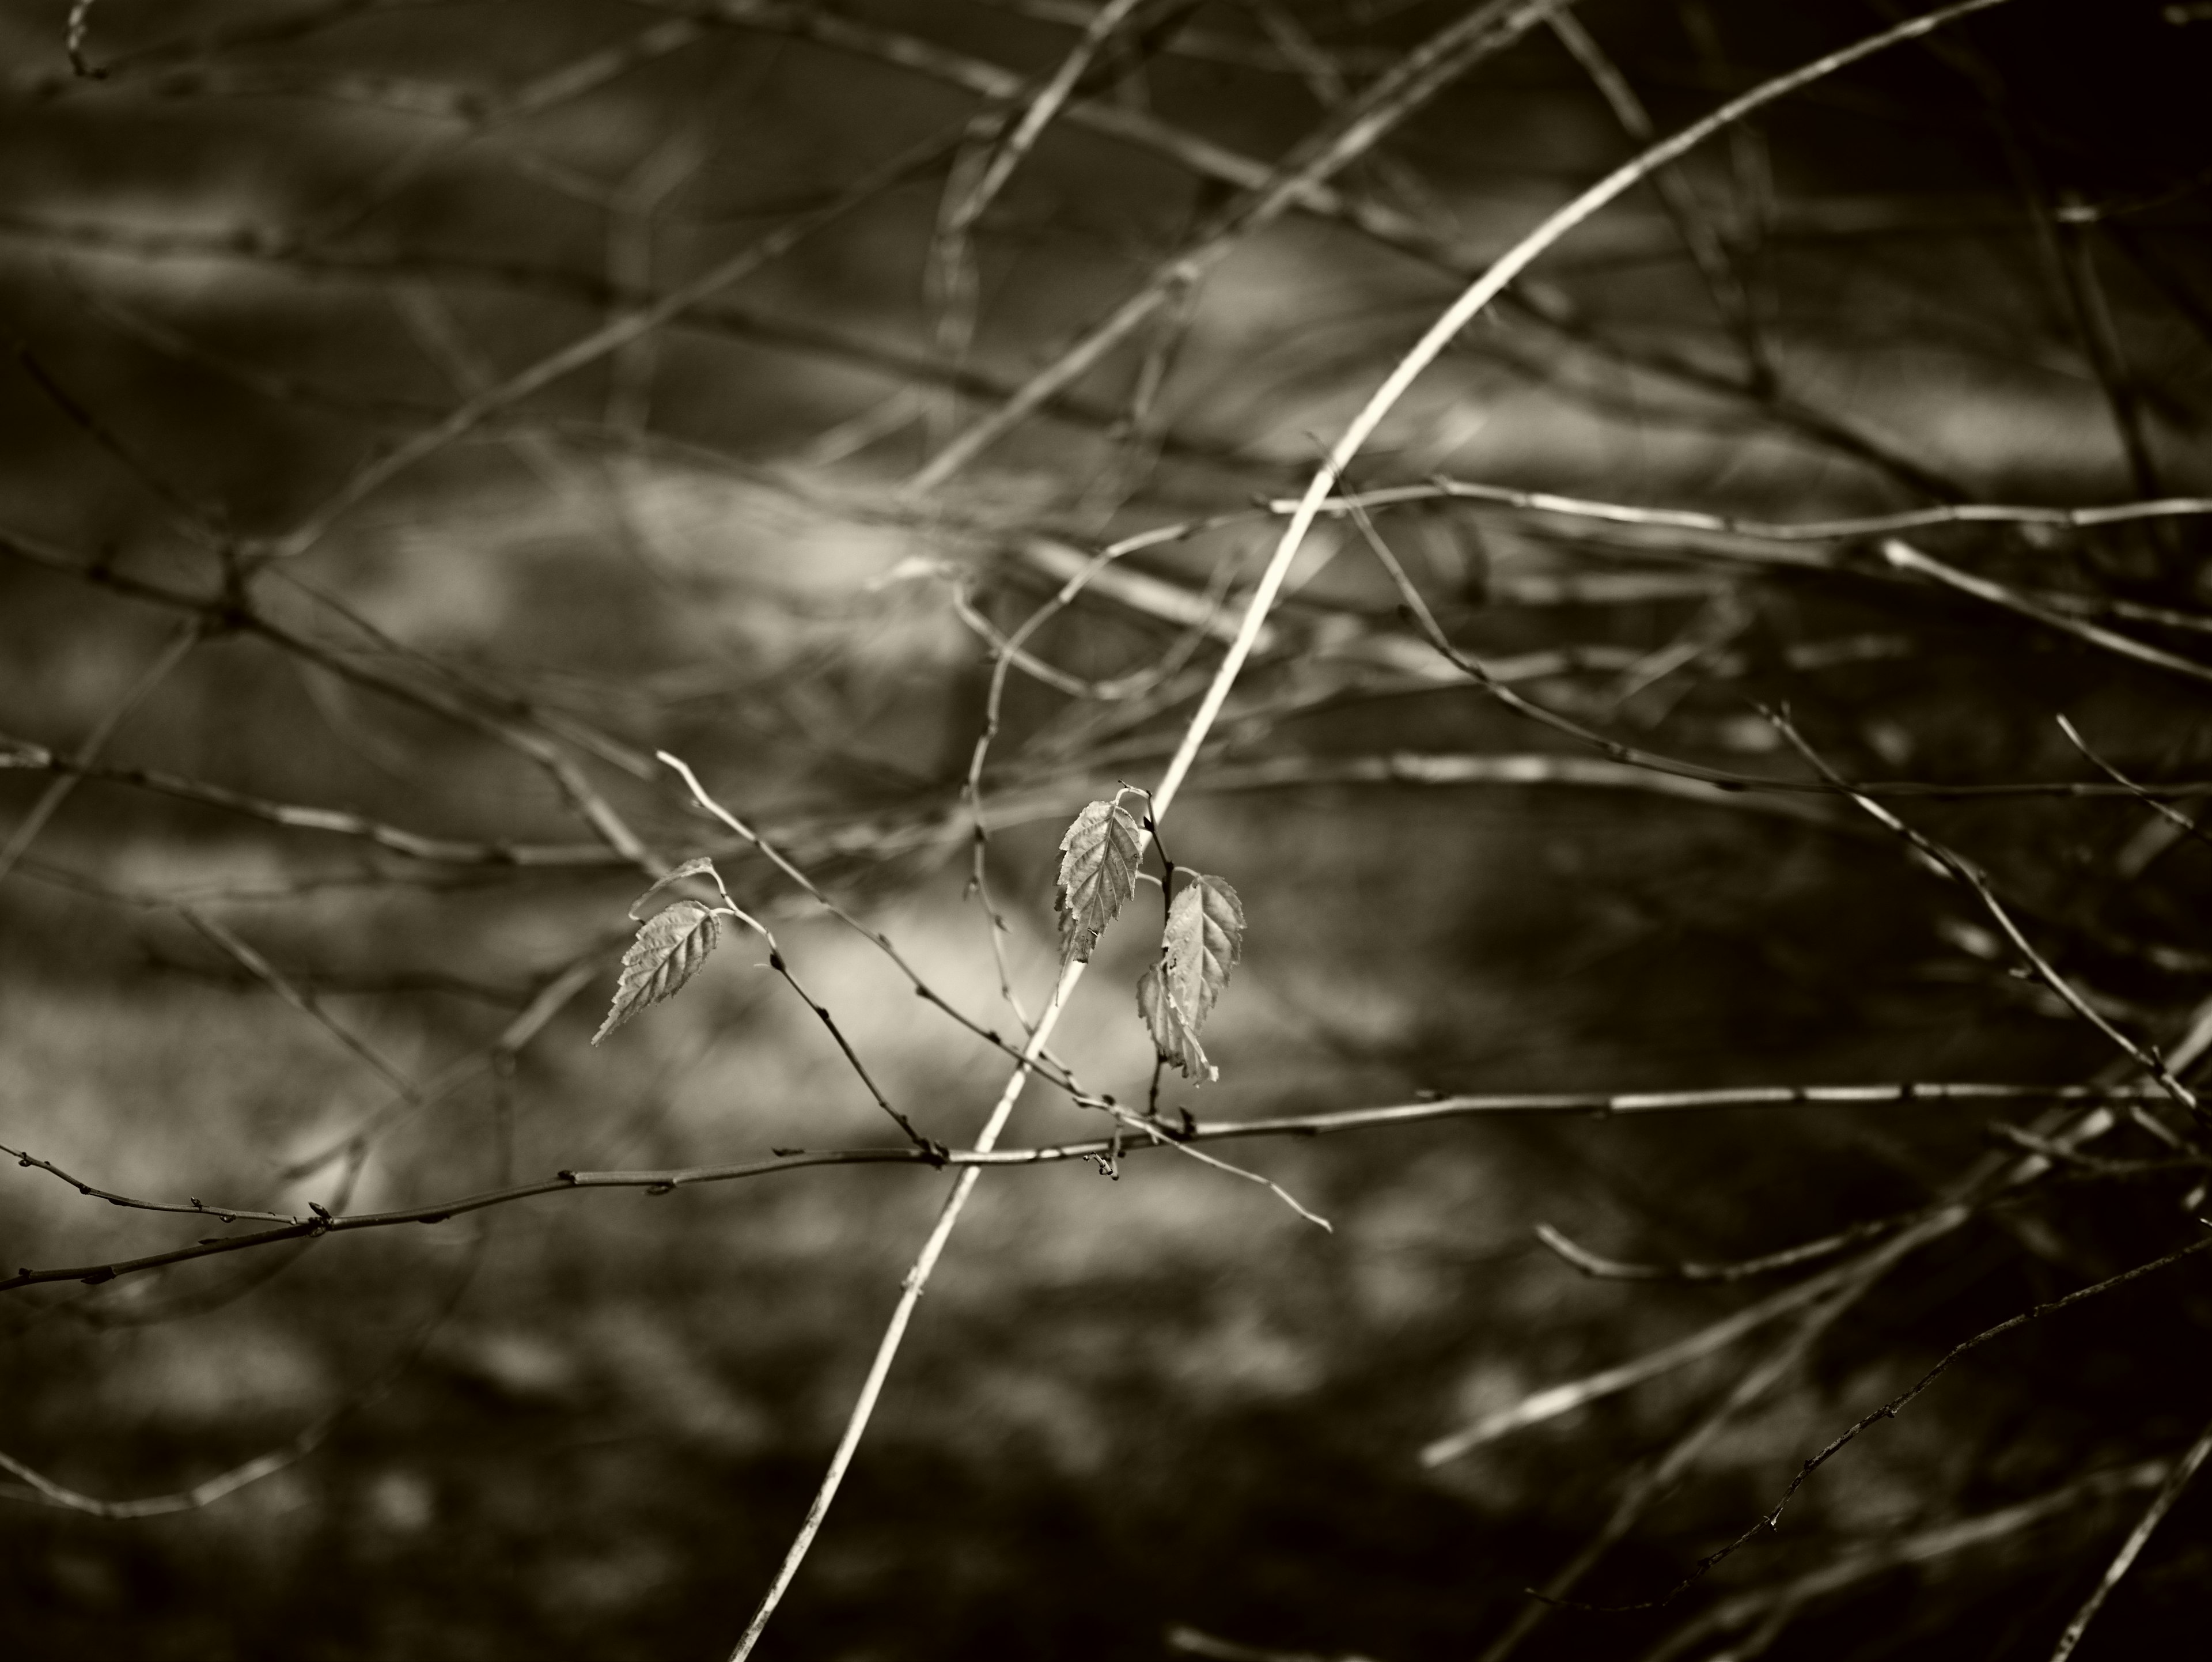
2154 1515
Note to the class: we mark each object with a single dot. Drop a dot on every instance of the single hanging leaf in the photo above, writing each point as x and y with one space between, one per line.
1203 940
1098 859
667 952
691 867
1173 1036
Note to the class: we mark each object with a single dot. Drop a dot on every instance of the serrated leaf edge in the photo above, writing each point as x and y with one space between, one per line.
1173 1036
1177 994
653 969
1090 894
1205 908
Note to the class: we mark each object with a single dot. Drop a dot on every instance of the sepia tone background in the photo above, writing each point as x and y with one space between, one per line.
314 731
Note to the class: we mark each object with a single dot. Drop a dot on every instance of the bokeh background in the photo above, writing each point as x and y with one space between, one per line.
271 244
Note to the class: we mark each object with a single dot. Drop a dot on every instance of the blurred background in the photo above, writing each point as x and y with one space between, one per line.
421 411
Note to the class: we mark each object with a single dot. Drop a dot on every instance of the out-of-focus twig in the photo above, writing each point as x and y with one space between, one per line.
2176 1480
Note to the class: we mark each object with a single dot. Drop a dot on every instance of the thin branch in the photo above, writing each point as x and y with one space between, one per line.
1550 1403
301 21
728 317
306 1003
1905 557
2100 342
480 116
588 804
336 821
1471 303
1676 193
1007 156
777 962
1770 1521
1949 863
1426 70
2181 822
2161 1503
205 1493
232 610
196 1206
50 799
1989 1176
1407 233
41 1488
551 1000
1005 651
1926 1546
883 943
1790 1258
606 339
1580 1104
1661 1475
1811 531
1201 721
188 515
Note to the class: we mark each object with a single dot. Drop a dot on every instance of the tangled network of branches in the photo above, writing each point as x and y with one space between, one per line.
1475 726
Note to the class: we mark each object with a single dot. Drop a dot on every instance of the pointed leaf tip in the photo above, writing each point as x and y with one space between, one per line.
667 952
1098 860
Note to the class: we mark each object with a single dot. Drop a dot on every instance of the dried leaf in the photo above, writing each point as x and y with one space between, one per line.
1203 940
1098 860
691 867
1173 1036
667 952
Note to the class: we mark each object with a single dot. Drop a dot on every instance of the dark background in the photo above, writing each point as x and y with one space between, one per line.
275 240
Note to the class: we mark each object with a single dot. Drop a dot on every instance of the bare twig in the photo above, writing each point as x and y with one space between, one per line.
875 937
2172 816
1488 28
1949 863
37 1486
608 338
2176 1480
306 1003
195 1206
1812 531
1604 1269
1889 1410
336 822
1676 193
1906 557
1409 234
1925 1546
1584 1105
1550 1403
777 962
28 828
1661 1475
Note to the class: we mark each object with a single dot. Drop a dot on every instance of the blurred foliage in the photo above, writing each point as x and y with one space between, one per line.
274 243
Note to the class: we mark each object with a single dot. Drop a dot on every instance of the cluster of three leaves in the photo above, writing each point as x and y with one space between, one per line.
1099 857
1202 941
